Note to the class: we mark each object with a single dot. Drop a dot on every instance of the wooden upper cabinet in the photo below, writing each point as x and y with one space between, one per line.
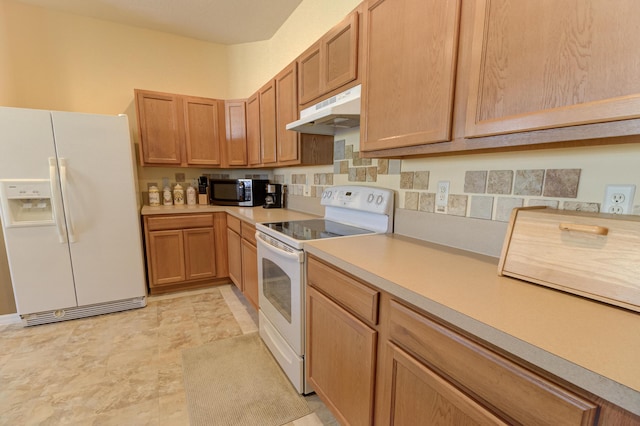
409 61
253 130
288 142
540 65
236 125
331 62
202 130
179 130
267 100
160 127
310 83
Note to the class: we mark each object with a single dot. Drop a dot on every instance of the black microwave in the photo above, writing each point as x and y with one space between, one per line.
238 192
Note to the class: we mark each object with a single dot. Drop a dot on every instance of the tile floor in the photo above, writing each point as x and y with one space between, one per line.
119 369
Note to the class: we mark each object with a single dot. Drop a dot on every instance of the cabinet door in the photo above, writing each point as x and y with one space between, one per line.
199 253
310 85
546 64
236 125
421 397
268 123
340 54
167 257
286 112
341 356
160 126
409 72
250 272
235 257
202 131
253 130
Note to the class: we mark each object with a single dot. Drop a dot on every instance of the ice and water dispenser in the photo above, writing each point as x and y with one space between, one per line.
26 202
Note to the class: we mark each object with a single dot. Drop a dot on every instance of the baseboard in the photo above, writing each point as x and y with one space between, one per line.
10 319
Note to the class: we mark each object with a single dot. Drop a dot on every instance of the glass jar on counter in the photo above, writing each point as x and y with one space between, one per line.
154 196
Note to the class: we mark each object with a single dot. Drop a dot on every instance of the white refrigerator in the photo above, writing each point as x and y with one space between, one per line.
70 214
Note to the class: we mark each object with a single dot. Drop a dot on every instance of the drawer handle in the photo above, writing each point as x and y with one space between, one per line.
589 229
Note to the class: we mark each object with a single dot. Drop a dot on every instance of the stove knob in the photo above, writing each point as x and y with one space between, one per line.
370 198
327 194
379 200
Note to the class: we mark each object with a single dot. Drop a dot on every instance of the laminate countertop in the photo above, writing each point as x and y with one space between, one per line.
588 343
252 215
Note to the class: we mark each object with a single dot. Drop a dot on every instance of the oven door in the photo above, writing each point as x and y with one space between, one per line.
281 289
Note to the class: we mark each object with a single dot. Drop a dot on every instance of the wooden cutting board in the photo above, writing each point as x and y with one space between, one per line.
595 255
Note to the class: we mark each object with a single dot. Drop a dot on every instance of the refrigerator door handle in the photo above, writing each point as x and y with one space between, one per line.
62 162
55 201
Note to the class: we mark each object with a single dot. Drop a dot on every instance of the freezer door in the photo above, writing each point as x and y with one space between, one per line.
99 193
38 256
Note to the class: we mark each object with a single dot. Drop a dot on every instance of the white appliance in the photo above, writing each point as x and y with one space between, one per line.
341 111
349 210
70 214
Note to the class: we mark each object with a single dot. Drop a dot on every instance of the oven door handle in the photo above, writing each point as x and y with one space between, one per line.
296 255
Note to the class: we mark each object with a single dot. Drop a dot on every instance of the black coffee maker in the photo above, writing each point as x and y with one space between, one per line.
273 199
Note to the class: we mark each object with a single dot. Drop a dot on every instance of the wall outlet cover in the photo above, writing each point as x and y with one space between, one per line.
618 199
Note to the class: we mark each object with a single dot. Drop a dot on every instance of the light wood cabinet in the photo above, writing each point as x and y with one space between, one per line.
268 127
178 130
288 142
410 54
159 127
453 365
236 127
243 258
331 62
578 67
254 158
185 251
341 342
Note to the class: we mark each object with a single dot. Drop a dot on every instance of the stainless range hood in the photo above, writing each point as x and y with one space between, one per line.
341 111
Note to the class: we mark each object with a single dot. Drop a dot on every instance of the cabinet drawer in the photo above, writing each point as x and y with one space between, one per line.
517 393
233 223
159 223
248 232
358 298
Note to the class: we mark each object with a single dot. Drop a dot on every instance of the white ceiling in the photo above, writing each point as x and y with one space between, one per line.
218 21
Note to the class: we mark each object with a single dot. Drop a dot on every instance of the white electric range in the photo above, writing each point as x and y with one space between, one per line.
349 210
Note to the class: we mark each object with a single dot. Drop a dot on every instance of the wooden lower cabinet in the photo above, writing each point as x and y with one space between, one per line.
243 258
420 396
185 251
341 357
374 359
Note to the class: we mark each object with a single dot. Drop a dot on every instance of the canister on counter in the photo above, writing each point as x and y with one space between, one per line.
154 196
178 195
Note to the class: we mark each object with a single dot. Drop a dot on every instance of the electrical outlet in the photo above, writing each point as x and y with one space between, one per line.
442 196
618 199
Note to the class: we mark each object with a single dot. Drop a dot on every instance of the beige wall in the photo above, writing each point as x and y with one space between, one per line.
253 64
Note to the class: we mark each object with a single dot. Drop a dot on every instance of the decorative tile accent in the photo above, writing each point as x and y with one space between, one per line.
475 182
383 166
339 150
348 152
357 161
372 174
352 174
357 174
406 180
500 182
341 167
180 177
481 207
581 206
540 202
411 200
299 178
457 205
427 202
395 166
504 207
561 183
323 178
421 180
278 179
528 182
